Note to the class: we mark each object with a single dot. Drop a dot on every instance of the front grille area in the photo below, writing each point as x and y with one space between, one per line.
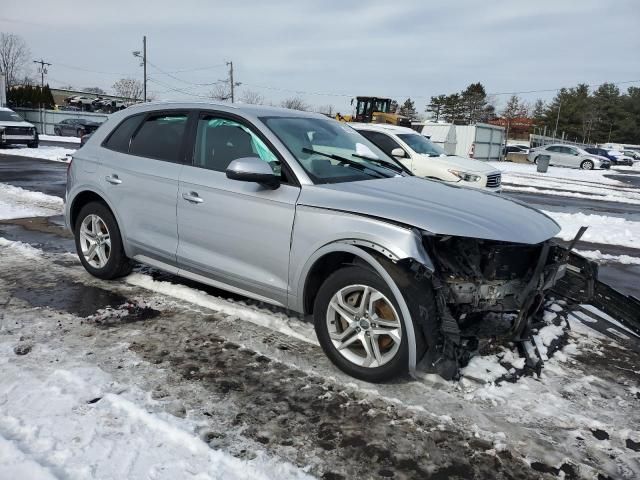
494 180
18 130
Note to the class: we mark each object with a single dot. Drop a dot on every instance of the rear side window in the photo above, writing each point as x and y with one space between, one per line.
160 137
382 141
121 136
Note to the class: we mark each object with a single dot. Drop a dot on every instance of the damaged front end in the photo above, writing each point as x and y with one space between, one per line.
488 289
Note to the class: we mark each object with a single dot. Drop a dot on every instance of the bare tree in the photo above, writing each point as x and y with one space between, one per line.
252 97
220 92
295 103
327 110
129 88
14 55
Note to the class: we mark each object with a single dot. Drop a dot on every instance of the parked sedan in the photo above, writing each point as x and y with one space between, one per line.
615 157
302 211
76 127
426 159
569 156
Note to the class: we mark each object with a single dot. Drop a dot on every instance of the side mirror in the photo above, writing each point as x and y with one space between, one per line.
252 169
398 153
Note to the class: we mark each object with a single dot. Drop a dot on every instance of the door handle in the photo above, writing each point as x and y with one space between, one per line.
113 179
192 197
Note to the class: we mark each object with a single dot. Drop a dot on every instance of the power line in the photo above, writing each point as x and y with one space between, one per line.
208 84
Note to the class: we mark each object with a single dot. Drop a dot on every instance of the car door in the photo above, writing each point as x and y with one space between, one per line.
232 233
64 125
555 155
140 175
571 157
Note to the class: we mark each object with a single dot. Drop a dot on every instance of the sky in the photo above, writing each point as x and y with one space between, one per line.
328 51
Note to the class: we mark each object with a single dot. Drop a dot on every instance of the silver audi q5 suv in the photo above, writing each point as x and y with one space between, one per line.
301 211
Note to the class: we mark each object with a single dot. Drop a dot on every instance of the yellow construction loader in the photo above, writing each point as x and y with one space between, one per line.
374 110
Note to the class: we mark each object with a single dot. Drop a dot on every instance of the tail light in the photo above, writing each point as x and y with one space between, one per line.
472 150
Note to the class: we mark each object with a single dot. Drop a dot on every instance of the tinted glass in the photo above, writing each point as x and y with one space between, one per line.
121 136
220 141
382 141
554 149
160 137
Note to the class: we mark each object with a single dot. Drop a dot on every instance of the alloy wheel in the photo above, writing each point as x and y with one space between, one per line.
364 326
95 241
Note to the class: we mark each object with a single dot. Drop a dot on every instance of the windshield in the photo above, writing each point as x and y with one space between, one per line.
421 144
331 152
7 116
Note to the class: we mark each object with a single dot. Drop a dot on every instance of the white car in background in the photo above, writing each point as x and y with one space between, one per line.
426 159
14 130
562 155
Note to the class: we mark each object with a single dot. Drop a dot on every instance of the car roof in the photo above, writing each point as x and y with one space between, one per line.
254 110
382 127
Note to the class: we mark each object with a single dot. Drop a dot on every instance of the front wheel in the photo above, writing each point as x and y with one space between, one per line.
587 165
99 244
56 131
360 326
33 144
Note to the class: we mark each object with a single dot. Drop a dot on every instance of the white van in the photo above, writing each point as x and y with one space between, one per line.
425 159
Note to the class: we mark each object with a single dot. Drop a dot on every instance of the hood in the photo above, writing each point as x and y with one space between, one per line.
461 163
437 207
15 124
600 158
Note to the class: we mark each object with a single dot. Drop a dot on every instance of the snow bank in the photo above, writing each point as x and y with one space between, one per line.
600 257
21 248
265 318
56 154
16 202
602 229
55 138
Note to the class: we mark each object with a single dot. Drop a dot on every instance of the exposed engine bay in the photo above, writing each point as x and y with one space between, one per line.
491 289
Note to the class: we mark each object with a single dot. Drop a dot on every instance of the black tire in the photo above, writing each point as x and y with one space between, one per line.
418 304
587 165
118 264
56 131
79 132
535 160
33 145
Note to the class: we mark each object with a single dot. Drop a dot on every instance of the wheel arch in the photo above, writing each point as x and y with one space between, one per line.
85 196
331 256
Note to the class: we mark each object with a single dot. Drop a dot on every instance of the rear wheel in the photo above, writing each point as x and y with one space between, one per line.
56 131
79 132
360 326
535 160
33 144
99 244
587 165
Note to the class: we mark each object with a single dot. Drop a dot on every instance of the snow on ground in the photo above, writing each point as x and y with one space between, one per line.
600 257
56 138
16 202
602 228
63 417
568 182
56 154
277 322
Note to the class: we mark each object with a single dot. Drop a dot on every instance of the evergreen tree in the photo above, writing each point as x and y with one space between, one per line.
436 106
408 109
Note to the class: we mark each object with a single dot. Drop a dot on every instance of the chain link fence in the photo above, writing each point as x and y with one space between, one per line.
46 120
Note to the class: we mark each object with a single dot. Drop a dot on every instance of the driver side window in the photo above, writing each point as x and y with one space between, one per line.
219 141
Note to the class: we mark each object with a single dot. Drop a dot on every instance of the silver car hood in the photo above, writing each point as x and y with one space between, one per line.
436 207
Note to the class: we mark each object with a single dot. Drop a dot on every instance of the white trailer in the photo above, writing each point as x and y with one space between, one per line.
481 141
443 134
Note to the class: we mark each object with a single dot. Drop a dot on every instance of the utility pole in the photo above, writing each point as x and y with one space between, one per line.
143 57
43 70
231 80
232 84
555 131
